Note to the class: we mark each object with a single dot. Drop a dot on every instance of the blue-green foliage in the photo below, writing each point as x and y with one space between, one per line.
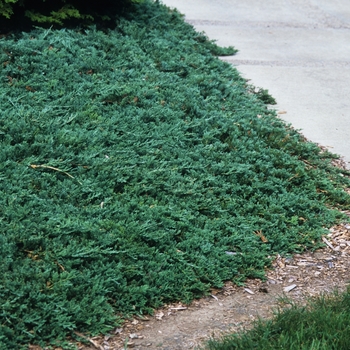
135 168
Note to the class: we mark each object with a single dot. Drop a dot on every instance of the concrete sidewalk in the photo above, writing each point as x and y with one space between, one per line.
297 49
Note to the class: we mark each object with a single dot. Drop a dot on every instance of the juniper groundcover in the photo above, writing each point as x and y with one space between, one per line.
136 169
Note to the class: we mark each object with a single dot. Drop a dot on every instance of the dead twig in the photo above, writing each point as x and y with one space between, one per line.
35 166
328 243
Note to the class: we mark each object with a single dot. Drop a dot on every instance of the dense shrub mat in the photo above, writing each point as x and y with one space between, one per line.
137 168
323 324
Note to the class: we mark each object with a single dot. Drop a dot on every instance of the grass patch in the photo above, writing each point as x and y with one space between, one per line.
324 324
136 168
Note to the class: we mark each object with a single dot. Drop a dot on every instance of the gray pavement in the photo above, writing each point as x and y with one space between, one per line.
297 49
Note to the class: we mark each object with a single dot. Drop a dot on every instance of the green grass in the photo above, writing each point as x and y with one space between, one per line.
323 324
136 169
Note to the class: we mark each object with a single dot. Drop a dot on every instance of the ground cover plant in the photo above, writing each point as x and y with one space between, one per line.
323 324
137 168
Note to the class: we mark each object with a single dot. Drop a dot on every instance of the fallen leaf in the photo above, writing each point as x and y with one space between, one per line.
262 237
159 316
249 291
289 288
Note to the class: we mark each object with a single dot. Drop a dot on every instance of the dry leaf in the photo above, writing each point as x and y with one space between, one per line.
249 291
159 316
262 237
289 288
